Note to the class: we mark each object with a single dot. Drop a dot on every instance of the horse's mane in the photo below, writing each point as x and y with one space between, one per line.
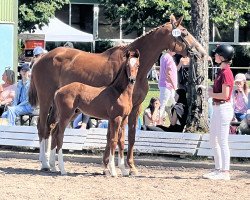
146 34
130 46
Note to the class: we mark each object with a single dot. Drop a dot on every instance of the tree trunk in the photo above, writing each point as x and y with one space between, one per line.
198 72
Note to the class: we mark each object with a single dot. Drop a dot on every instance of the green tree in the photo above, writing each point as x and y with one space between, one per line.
152 13
37 12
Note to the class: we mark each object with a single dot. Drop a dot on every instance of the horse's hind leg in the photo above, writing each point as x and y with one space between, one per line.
121 141
42 129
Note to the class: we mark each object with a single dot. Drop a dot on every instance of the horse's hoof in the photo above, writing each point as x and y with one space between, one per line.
53 169
106 172
114 174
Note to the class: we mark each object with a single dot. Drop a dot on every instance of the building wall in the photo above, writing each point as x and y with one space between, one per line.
8 34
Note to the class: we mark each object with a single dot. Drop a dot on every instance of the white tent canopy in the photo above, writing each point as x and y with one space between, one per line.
57 31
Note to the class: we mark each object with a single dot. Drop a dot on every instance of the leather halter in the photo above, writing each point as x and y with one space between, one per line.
189 47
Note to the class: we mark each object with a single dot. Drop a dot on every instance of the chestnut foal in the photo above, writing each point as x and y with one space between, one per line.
113 103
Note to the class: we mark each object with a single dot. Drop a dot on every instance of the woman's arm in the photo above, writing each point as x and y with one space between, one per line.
223 95
172 117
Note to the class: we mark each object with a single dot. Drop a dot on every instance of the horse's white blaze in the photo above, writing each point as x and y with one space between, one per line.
61 163
133 61
52 160
42 156
112 165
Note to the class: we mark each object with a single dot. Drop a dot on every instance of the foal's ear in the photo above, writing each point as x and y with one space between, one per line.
137 53
178 22
128 54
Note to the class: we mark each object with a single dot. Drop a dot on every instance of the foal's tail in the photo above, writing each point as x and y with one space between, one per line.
33 99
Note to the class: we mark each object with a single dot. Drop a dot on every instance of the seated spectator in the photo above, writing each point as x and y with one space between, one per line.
240 100
151 116
82 121
21 105
7 89
244 127
178 113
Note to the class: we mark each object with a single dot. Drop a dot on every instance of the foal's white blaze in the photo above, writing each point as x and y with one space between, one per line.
52 160
42 155
112 164
61 163
133 61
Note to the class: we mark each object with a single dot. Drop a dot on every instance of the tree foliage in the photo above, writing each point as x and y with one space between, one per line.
37 12
151 13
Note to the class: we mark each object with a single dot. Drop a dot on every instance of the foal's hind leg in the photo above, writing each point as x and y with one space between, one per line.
42 129
132 122
121 141
106 153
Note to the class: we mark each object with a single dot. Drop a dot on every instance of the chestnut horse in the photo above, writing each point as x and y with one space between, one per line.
62 66
113 103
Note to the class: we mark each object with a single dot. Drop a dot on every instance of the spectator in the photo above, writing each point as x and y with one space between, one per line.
151 116
244 127
167 80
178 113
240 100
183 68
222 113
69 45
82 121
21 104
7 89
38 52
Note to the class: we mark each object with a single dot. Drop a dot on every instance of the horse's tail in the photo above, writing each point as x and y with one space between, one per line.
33 99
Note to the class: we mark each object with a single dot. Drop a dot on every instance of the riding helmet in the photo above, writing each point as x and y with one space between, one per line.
226 51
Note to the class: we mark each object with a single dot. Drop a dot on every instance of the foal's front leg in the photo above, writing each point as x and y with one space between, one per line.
114 129
121 141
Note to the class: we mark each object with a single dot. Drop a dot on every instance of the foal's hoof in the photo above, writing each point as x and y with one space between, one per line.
133 172
45 169
106 172
63 173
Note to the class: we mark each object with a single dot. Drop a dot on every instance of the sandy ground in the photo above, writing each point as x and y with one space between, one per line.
20 178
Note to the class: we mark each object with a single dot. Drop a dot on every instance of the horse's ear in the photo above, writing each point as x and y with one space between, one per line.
137 53
178 22
172 19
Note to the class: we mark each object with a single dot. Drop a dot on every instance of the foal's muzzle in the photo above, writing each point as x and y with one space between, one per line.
131 80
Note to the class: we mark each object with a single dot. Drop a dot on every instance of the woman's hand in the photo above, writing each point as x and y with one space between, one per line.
210 91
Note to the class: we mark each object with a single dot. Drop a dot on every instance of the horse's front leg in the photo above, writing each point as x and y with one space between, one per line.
132 122
121 141
114 129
